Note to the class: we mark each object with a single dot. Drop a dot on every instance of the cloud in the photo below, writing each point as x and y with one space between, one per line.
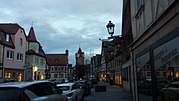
65 24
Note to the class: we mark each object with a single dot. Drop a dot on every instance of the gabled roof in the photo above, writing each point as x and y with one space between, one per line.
31 37
57 59
11 28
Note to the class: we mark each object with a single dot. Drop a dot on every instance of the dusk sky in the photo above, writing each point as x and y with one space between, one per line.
65 24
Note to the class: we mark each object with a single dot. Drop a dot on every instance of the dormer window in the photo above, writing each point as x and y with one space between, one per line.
7 37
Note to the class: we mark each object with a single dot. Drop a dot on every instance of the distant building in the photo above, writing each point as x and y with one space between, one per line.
79 57
96 66
80 67
58 65
12 51
35 64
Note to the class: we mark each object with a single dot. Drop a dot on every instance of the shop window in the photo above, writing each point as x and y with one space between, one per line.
19 77
177 74
125 74
8 75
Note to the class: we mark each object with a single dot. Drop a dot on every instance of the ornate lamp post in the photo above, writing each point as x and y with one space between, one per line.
110 27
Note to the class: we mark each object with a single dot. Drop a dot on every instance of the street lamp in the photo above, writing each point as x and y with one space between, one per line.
110 27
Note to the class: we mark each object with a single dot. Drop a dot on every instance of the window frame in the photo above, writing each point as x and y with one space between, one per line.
19 57
10 54
20 41
7 37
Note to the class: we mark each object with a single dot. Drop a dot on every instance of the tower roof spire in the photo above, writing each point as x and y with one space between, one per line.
31 36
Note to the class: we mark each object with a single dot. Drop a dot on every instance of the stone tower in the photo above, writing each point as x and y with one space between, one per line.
79 57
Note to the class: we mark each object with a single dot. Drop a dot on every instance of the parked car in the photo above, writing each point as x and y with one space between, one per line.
145 87
170 92
31 91
4 80
85 86
93 80
60 80
72 91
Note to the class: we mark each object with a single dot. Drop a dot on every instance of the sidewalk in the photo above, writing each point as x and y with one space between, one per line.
113 93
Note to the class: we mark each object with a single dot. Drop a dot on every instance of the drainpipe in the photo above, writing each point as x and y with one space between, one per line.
135 93
3 62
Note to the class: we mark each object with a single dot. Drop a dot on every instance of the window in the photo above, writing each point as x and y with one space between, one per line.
8 75
62 68
10 54
19 56
36 60
42 62
7 37
55 75
20 41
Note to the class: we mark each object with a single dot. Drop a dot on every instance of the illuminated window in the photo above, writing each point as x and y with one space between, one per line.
19 77
177 74
8 75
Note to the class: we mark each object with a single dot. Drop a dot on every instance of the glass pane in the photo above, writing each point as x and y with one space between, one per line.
9 94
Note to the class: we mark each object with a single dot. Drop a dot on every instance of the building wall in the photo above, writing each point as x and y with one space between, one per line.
14 63
145 17
34 46
157 19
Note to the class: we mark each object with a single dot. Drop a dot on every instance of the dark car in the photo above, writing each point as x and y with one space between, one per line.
30 91
145 87
93 80
4 80
60 80
85 86
170 92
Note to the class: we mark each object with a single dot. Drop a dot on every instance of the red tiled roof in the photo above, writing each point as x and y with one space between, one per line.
57 59
10 27
31 37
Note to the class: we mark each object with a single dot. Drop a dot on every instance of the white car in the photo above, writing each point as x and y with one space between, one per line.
31 91
72 91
